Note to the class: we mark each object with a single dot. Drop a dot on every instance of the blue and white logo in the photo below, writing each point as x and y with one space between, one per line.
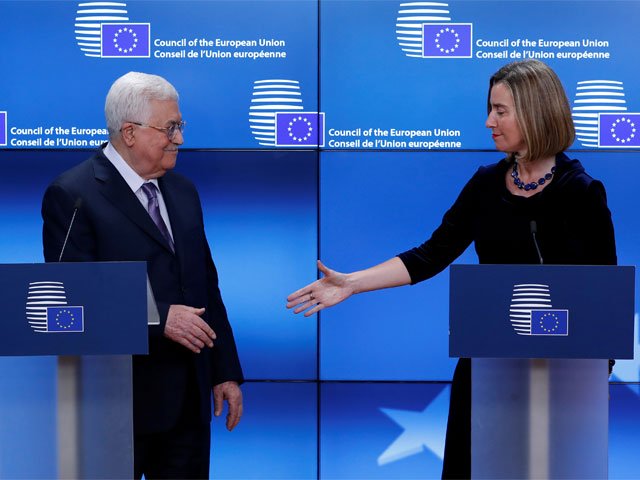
619 130
103 30
299 129
447 40
423 30
550 322
125 40
89 17
593 98
531 312
48 312
277 116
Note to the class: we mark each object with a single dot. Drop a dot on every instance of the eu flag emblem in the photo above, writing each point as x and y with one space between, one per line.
131 40
299 129
618 130
65 319
550 322
447 40
3 129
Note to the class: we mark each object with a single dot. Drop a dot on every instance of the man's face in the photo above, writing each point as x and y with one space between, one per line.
152 152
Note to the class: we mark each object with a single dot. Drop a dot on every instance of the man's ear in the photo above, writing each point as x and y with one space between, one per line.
127 133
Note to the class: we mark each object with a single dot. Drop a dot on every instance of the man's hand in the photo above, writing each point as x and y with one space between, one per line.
229 391
185 327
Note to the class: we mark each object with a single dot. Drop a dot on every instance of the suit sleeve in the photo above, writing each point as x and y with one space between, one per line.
225 365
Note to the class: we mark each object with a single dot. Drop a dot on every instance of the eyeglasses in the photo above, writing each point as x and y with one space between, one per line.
171 130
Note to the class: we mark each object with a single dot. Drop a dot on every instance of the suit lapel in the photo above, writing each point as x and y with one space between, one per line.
113 187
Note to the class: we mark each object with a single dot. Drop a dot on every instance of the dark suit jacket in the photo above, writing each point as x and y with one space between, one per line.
112 225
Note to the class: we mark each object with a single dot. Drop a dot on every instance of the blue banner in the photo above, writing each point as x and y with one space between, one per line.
523 311
74 308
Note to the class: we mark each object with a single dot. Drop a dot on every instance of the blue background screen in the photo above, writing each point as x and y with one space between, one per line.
360 390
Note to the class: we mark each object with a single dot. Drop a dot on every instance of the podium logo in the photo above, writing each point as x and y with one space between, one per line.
48 312
278 119
531 312
600 97
423 30
3 129
103 30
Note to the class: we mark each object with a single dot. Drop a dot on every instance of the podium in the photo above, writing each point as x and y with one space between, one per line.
93 316
540 337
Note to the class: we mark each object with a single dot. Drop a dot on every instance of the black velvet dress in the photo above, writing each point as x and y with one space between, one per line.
573 228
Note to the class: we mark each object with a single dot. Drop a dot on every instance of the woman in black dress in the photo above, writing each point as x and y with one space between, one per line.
530 121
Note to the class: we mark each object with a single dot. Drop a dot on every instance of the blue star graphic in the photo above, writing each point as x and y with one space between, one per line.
422 430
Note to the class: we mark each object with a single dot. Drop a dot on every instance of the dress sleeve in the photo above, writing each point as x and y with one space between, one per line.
448 241
599 238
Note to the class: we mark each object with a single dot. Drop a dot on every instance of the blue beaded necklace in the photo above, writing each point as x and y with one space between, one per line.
533 185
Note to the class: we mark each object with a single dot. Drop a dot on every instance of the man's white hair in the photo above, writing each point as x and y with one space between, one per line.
129 97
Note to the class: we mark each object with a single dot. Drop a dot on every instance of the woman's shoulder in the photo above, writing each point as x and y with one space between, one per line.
572 174
491 172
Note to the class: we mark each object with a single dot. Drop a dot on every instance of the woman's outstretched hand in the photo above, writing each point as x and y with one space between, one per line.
331 289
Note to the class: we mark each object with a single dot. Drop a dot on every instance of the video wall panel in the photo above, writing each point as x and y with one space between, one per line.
232 62
375 205
28 417
624 422
261 227
261 216
278 438
414 75
383 430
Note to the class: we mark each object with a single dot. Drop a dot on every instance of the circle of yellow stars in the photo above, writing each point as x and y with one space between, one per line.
449 31
69 315
549 329
129 31
629 122
306 136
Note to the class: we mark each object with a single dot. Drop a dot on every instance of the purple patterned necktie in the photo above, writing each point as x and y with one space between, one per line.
151 191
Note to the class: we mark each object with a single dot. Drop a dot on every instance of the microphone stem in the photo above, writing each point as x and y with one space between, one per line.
535 242
64 245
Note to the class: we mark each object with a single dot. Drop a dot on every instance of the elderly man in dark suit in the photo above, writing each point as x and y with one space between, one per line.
134 208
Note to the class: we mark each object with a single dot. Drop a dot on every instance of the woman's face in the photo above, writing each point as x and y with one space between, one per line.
502 121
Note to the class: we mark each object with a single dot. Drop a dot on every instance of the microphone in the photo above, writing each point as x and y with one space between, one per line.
533 226
76 207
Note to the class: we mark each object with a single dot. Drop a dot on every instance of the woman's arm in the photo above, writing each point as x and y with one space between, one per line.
335 287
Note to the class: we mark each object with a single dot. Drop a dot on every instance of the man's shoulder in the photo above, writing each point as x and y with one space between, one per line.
79 174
